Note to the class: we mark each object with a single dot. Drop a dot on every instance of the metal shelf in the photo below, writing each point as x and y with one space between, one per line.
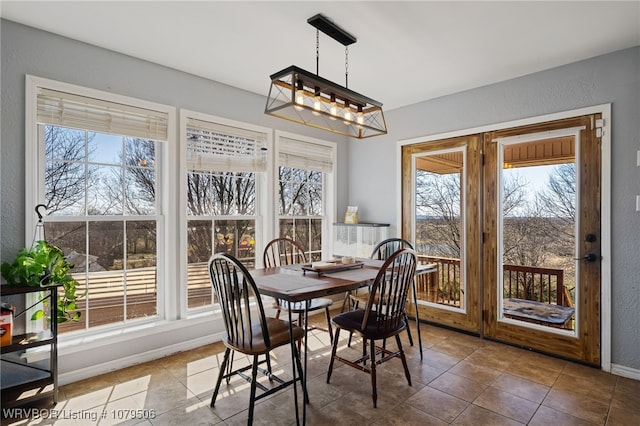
28 370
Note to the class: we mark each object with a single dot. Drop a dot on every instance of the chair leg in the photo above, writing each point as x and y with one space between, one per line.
268 355
404 359
252 397
333 353
230 367
346 301
364 351
329 328
277 303
406 320
374 389
225 359
355 306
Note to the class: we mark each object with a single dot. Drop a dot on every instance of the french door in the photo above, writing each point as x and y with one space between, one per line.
511 218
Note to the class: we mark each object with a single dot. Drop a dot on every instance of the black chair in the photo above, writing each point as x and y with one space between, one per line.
382 251
248 330
383 317
285 251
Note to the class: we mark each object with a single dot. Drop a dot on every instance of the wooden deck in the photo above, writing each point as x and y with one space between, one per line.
105 298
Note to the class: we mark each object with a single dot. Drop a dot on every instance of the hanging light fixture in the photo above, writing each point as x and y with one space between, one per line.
307 98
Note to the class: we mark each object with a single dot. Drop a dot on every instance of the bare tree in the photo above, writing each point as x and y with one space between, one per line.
221 194
140 176
65 176
438 199
558 200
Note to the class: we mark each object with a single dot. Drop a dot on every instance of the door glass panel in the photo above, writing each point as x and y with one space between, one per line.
537 236
439 234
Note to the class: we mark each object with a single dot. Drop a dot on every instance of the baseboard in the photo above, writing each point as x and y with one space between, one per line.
628 372
107 367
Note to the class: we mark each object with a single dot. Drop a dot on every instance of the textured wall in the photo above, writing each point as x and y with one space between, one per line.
29 51
612 78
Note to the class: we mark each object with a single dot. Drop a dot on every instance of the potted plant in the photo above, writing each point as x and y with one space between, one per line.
41 266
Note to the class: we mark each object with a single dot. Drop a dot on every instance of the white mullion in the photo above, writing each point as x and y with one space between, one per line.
124 269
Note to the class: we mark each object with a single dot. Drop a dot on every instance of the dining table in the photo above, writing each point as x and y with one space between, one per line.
303 282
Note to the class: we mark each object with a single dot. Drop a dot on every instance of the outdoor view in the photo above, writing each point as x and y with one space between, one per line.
222 212
538 225
100 196
300 208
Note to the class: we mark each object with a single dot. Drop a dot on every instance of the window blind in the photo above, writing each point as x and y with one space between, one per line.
305 155
82 112
218 147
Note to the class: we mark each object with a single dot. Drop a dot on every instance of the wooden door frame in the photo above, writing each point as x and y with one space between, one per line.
469 317
605 111
583 342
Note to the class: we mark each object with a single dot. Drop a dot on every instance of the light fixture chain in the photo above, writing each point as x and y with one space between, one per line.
317 51
346 67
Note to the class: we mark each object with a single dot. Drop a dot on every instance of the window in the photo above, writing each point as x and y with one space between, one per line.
99 173
225 163
305 192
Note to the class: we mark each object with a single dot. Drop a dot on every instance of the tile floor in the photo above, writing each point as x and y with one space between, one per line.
462 380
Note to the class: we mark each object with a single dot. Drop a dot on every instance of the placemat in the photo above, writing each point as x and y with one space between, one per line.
288 283
359 274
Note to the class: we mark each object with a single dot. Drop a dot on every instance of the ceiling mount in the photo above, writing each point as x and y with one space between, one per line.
327 26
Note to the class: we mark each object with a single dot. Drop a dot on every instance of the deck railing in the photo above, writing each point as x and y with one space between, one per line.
106 295
523 282
106 291
442 286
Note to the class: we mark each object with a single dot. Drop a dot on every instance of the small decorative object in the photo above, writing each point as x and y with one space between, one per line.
351 216
6 324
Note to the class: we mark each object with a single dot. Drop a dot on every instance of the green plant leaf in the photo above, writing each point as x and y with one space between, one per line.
41 266
37 315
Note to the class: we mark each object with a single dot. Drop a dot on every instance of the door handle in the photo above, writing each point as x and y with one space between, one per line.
590 257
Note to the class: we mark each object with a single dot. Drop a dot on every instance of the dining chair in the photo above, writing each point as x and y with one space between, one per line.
247 329
285 251
382 251
383 317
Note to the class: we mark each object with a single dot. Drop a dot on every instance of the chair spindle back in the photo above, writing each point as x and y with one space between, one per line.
235 290
283 251
388 295
387 247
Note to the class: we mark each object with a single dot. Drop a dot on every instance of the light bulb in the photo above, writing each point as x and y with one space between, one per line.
360 117
333 110
347 116
317 106
299 95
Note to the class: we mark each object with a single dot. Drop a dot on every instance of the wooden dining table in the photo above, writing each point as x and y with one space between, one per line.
300 283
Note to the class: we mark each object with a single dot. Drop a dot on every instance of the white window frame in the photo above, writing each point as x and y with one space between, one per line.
329 189
34 188
263 201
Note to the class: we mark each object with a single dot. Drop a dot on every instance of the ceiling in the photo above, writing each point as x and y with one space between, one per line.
406 51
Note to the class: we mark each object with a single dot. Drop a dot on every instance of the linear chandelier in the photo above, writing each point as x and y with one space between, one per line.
306 98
